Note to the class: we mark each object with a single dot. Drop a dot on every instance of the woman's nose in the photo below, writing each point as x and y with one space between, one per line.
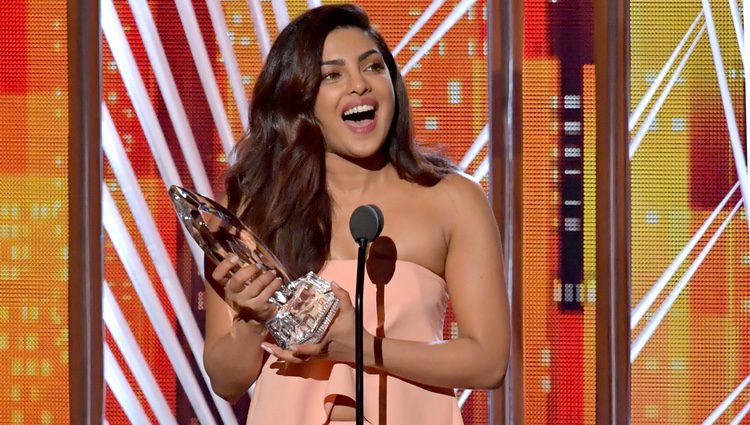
358 84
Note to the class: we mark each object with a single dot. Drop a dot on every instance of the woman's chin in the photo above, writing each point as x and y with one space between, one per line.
368 158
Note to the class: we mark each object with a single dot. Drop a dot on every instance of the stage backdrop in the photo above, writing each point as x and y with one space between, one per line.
176 77
34 212
558 255
689 240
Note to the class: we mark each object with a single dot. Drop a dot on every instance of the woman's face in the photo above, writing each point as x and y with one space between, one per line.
355 102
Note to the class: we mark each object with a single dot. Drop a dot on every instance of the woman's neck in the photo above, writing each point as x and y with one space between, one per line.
353 177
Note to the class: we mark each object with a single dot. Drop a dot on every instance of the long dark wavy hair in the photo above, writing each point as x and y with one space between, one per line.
277 183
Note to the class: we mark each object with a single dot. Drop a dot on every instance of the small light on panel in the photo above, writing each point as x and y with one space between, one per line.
572 101
572 127
679 124
572 224
592 293
546 357
546 384
454 92
572 152
654 125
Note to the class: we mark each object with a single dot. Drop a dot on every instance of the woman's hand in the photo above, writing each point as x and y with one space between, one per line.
248 290
338 343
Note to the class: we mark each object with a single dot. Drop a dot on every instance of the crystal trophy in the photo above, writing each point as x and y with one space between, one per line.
306 306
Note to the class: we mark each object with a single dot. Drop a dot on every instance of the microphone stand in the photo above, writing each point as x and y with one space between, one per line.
366 223
358 326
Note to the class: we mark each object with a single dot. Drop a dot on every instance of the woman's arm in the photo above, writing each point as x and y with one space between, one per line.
474 273
232 354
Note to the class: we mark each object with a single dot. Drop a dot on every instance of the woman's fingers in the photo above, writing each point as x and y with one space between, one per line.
269 288
345 299
249 290
296 354
305 351
239 280
221 272
253 287
285 355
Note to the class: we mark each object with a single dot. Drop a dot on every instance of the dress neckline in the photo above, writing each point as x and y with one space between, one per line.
407 262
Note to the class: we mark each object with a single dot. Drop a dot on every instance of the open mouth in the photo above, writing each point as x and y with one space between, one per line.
359 114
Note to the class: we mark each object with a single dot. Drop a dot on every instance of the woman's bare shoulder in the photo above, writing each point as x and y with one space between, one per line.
458 190
461 203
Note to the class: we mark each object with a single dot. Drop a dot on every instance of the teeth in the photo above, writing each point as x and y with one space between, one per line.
358 109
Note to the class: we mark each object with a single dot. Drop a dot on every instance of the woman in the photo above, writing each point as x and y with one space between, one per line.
331 130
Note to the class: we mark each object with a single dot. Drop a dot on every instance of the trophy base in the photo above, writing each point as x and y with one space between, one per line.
305 316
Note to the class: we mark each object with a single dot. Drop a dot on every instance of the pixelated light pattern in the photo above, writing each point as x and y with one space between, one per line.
690 268
34 356
558 251
171 100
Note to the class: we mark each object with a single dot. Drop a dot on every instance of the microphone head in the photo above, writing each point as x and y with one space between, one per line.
366 223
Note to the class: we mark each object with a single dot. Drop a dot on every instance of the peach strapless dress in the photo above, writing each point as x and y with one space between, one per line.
406 301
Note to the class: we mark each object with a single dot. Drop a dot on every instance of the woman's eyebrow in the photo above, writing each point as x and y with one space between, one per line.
361 57
367 54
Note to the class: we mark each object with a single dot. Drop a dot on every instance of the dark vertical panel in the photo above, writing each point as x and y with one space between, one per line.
612 213
571 38
85 230
505 29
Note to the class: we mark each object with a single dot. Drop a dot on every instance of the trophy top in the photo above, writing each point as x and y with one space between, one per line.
220 233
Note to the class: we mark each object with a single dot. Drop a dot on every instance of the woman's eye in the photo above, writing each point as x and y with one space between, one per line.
377 66
330 76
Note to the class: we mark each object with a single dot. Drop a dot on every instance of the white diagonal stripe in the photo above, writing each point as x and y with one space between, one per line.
139 97
737 420
482 170
281 14
126 342
726 402
261 30
464 396
414 29
136 89
738 31
476 147
640 310
230 60
648 330
726 101
130 259
118 160
112 146
646 125
646 99
120 387
313 3
205 73
158 58
460 10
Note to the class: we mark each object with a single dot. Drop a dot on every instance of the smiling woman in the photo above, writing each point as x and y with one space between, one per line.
355 100
331 130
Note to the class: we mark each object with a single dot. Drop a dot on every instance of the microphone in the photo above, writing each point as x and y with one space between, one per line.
365 224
